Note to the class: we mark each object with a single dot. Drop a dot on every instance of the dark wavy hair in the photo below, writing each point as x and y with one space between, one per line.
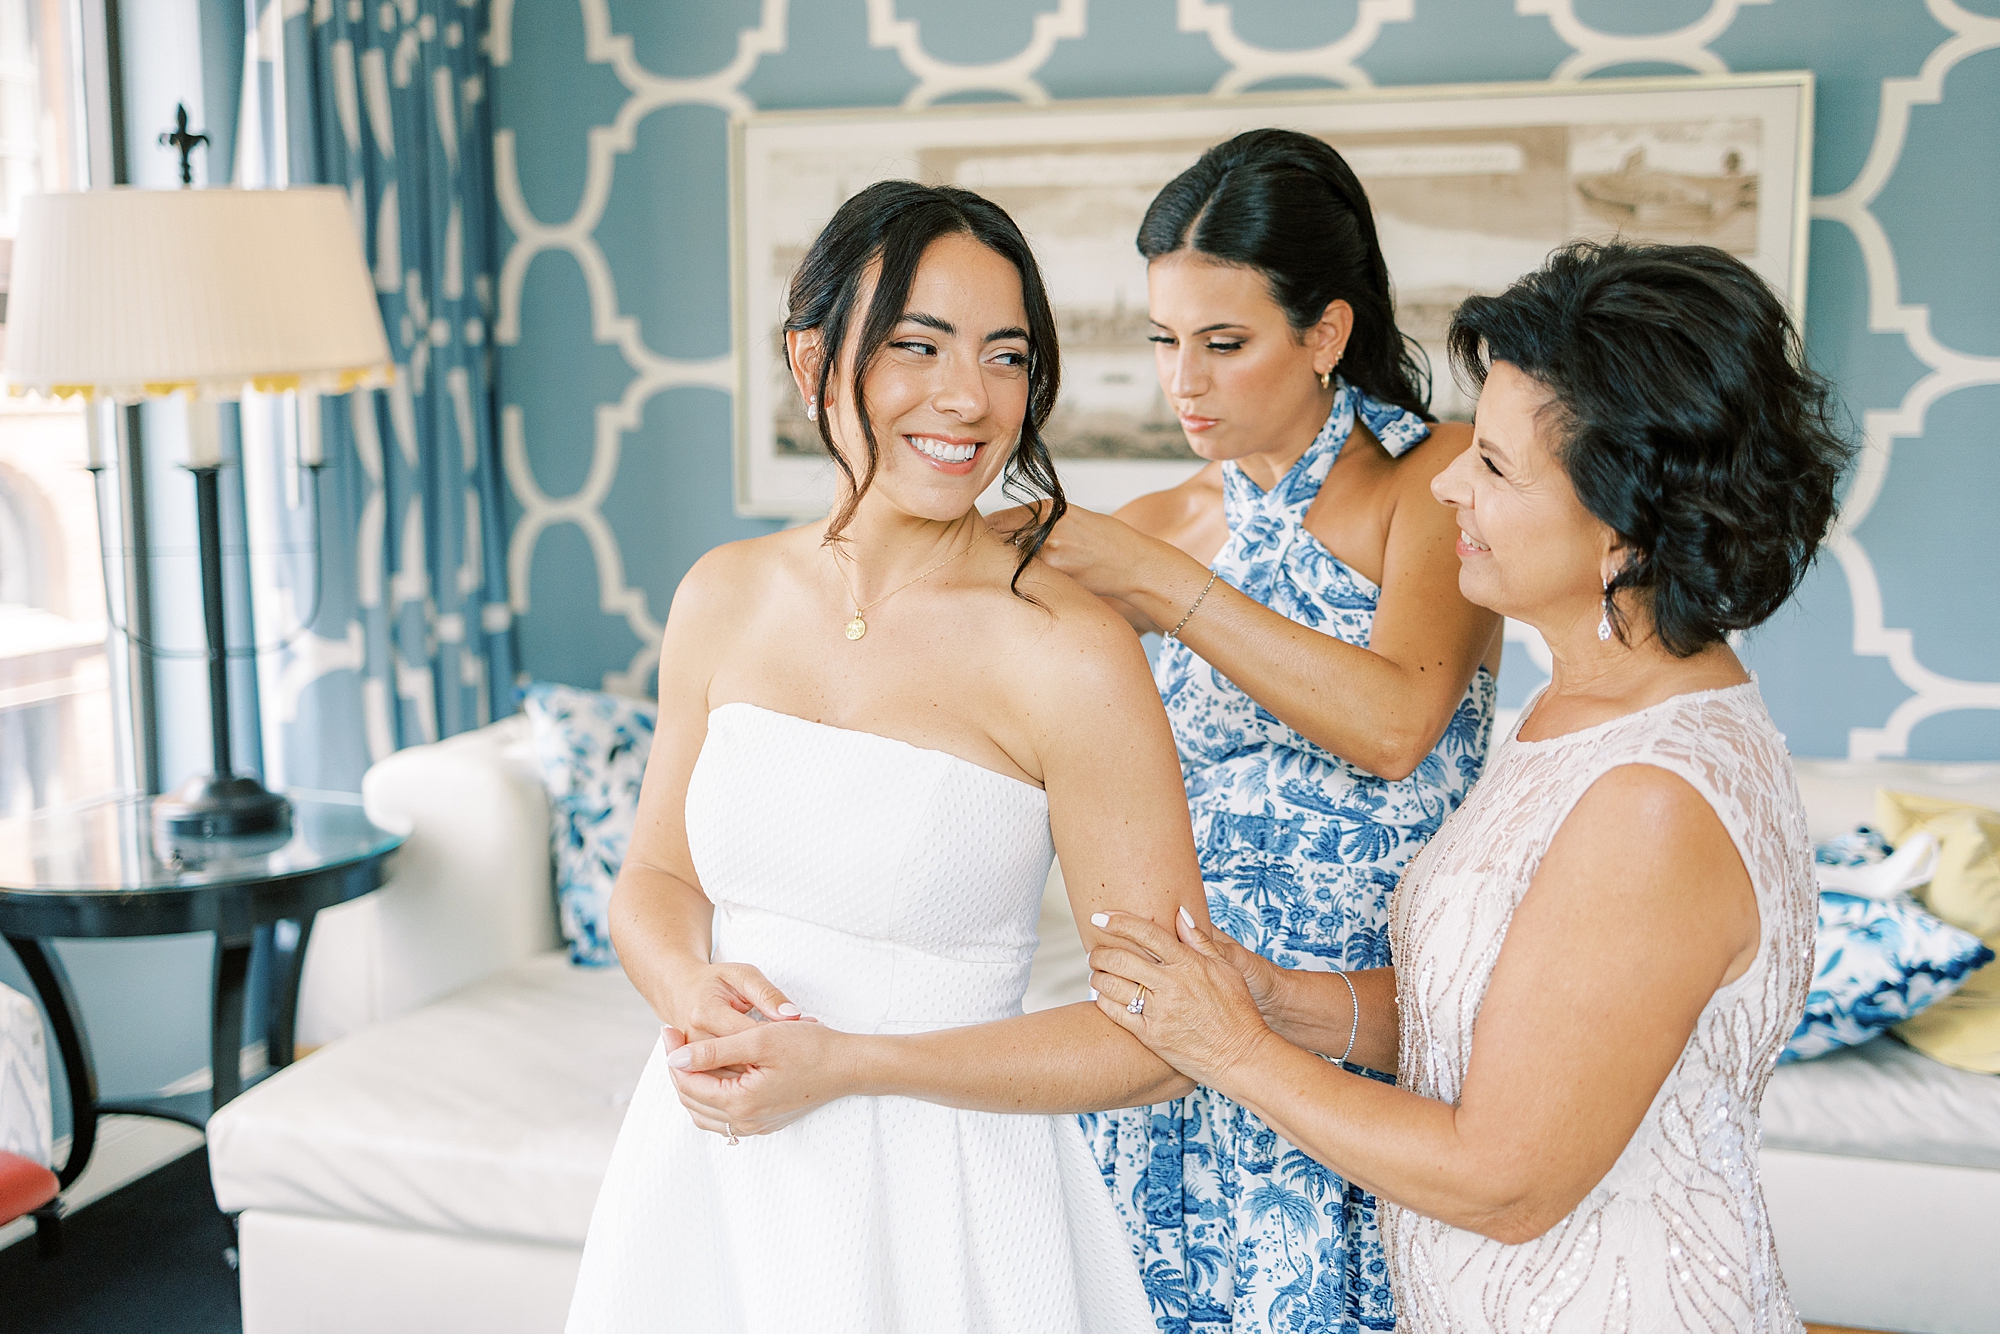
1686 417
893 223
1288 206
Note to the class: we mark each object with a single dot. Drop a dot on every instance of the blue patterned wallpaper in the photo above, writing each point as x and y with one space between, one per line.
613 303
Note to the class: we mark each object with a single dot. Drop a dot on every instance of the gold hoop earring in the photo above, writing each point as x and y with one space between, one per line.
1326 378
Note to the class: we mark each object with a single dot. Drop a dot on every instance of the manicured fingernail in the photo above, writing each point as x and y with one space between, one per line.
681 1059
789 1010
1093 993
1187 919
1100 919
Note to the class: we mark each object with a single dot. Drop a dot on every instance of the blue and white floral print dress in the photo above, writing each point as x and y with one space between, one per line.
1237 1229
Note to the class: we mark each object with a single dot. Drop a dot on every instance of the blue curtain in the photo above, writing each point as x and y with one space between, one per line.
410 634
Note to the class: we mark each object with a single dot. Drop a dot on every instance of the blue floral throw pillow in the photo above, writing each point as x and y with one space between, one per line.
1878 963
592 750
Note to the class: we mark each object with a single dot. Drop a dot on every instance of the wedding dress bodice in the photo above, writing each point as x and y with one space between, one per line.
881 886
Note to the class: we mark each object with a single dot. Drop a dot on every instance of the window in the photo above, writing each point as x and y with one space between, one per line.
57 739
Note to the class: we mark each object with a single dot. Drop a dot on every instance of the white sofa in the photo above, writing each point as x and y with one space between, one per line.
434 1166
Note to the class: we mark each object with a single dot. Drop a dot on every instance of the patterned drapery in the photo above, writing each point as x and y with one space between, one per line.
410 636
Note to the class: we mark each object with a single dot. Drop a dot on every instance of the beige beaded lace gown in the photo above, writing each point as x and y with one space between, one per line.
1675 1237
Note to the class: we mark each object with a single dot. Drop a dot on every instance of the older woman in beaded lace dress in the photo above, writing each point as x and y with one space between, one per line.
1602 952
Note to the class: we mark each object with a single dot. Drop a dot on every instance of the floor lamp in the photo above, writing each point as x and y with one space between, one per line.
122 295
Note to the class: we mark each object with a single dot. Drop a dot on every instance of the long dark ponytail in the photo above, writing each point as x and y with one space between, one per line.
1287 205
895 222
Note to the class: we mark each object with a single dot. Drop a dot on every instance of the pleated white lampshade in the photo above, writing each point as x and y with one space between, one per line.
129 294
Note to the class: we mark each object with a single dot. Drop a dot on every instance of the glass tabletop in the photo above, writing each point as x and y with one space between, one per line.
110 847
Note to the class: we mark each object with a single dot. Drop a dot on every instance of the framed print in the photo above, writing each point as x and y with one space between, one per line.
1471 186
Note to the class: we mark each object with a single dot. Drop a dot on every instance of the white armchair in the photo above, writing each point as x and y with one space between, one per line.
466 895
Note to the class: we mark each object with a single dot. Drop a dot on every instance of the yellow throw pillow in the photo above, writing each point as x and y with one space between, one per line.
1963 1029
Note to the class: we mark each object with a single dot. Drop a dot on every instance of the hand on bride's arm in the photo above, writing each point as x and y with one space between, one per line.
761 1079
1199 1015
1315 1009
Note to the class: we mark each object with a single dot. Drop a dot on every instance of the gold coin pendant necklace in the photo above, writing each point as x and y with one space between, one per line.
857 627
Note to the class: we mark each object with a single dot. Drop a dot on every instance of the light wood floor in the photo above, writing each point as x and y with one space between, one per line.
1836 1329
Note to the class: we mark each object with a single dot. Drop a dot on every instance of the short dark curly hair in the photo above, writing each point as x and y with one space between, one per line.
1687 418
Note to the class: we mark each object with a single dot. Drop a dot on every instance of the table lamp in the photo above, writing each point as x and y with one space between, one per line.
126 294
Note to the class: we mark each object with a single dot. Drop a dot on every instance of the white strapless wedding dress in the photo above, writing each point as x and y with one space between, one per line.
885 889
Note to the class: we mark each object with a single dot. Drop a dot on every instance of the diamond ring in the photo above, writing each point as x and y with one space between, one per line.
732 1140
1138 1005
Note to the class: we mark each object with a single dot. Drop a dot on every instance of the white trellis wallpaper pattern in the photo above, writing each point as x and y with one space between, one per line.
612 304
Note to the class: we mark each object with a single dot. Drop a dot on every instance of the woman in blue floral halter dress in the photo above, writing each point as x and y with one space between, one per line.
1300 851
1330 691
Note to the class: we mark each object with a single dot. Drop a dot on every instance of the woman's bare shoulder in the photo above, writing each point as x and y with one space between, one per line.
720 582
1434 453
1166 514
1071 640
1412 473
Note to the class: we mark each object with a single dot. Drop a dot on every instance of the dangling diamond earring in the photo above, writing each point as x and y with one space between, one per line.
1604 621
812 408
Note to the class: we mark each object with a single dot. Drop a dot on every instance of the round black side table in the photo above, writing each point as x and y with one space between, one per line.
98 871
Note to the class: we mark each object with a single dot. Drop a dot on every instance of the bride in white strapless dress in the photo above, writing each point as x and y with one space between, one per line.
873 736
890 889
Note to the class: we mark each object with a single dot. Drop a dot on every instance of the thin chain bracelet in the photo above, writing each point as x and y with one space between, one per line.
1354 1000
1175 633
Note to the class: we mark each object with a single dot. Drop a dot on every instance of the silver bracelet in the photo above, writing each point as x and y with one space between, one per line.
1354 1000
1175 633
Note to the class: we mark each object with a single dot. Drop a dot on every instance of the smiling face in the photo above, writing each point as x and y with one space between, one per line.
1527 547
947 395
1238 376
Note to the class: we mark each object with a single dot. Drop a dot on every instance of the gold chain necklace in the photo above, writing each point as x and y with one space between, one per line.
857 627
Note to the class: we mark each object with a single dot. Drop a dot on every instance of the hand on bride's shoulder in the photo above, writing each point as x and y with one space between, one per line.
1048 609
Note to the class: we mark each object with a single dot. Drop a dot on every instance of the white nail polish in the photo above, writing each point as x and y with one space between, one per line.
1100 919
1093 993
1187 919
789 1010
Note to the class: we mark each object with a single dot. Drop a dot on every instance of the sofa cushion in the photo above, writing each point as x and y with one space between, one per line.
1875 965
490 1111
592 748
1882 1100
1964 1028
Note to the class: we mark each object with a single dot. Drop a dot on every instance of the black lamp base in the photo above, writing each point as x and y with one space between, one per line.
221 807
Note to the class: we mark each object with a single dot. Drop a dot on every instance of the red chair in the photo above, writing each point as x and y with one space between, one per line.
25 1186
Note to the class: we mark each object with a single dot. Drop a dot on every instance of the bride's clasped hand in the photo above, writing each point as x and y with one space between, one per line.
763 1078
